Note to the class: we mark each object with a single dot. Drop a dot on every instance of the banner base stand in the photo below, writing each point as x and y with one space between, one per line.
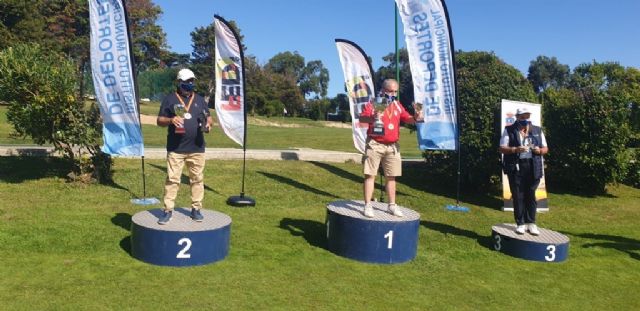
145 201
241 201
457 208
539 209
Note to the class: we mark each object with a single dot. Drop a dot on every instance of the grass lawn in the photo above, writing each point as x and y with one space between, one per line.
66 246
309 134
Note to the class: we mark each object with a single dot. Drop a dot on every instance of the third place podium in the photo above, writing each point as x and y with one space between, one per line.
383 239
549 246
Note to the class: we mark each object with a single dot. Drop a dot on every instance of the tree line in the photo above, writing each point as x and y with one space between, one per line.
591 114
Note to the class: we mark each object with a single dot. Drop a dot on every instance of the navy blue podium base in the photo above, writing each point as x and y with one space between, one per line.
549 246
385 239
182 241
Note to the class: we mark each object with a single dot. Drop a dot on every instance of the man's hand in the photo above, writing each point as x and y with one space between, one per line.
177 121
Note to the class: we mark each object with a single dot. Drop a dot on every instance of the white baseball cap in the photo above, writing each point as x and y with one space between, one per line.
185 74
522 110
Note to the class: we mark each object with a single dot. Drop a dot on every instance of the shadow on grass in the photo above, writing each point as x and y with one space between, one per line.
312 231
20 169
416 176
23 168
123 220
620 243
184 179
484 241
299 185
353 177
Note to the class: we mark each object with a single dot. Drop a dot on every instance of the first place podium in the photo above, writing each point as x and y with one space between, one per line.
383 239
182 241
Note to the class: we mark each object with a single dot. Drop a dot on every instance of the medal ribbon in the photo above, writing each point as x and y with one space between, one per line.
186 107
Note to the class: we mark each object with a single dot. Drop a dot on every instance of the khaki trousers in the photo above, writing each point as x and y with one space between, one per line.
195 165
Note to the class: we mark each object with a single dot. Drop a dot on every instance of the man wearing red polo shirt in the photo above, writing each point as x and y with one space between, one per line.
383 147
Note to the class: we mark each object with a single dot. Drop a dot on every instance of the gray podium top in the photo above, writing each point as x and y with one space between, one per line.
181 220
354 209
546 236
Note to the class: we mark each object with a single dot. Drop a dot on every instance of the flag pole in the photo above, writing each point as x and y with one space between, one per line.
144 200
456 207
241 200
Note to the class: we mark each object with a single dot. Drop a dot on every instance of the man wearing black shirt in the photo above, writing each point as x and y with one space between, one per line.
186 115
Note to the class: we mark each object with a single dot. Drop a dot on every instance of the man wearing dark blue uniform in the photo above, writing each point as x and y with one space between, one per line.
523 145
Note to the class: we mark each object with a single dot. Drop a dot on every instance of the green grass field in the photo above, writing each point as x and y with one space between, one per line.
66 246
308 134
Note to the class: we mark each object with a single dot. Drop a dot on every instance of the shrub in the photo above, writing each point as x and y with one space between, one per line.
41 89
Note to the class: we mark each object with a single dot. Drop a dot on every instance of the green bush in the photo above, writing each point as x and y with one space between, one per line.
588 130
317 109
272 108
483 81
41 89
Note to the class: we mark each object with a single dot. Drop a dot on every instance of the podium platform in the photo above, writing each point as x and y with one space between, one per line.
383 239
182 241
549 246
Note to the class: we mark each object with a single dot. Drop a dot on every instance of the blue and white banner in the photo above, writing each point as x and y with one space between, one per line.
113 80
359 83
428 42
229 100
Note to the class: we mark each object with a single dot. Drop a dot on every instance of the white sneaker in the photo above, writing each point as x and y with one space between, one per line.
395 210
368 211
533 229
521 229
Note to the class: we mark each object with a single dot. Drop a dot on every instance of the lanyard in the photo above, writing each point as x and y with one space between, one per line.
389 113
182 102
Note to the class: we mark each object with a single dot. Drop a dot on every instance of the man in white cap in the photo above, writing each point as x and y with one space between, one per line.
523 145
187 117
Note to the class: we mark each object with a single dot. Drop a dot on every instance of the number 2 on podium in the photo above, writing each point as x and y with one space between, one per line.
183 253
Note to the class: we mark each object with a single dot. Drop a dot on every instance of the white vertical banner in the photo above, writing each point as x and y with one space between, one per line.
112 72
229 96
430 48
359 83
508 110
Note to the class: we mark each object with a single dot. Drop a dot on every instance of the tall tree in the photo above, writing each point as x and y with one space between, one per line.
546 72
20 22
288 64
149 40
314 79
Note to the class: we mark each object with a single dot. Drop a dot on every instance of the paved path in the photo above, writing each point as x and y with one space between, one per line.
302 154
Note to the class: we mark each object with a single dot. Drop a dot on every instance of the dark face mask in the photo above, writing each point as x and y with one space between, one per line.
187 86
389 97
522 123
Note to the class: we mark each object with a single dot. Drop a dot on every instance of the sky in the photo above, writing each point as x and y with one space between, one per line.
517 31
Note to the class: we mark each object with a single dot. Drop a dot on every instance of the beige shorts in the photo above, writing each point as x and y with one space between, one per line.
377 153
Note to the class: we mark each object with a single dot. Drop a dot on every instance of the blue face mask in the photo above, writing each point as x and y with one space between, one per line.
187 86
522 123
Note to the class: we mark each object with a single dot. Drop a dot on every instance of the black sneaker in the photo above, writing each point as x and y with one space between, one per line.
195 215
164 219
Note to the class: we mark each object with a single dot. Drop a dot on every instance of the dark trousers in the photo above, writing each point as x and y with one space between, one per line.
523 192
